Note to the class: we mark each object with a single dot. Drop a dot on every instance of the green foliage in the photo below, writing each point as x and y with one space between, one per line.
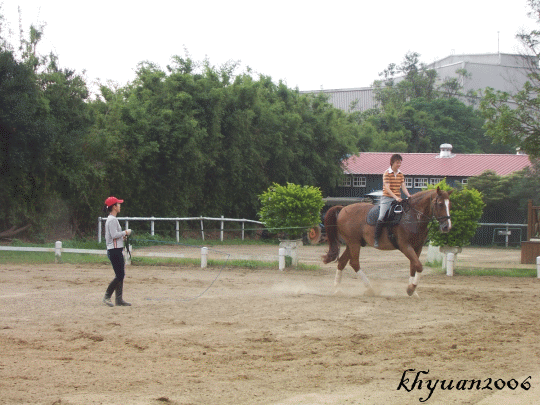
185 141
466 210
291 208
506 197
518 125
421 125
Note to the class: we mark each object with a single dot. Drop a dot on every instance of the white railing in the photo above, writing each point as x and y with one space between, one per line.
58 250
177 220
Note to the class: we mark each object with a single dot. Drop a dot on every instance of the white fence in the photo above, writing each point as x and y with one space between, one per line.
152 221
58 250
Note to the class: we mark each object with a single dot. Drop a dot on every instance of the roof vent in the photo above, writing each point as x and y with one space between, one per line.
446 151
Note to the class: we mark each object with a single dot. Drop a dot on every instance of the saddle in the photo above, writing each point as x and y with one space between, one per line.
391 219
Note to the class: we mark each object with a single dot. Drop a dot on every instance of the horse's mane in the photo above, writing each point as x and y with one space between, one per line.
421 195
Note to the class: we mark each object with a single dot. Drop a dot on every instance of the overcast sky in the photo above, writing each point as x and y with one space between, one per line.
307 44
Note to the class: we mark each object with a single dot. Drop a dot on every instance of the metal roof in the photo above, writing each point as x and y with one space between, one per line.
431 164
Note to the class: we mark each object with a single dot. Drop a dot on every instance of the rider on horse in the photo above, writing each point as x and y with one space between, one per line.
393 184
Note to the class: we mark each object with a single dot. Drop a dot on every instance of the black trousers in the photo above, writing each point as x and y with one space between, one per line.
117 260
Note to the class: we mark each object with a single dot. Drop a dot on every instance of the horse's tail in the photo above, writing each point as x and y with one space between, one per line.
330 226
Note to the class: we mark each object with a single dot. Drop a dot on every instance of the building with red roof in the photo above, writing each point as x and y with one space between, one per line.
363 172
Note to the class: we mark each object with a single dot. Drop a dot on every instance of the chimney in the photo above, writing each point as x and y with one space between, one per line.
446 151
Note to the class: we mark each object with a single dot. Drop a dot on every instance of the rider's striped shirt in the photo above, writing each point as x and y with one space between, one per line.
395 180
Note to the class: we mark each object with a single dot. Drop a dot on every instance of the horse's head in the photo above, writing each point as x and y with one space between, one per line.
441 210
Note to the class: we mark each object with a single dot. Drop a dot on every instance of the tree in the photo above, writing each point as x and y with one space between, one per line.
197 139
291 209
421 125
44 121
466 210
518 124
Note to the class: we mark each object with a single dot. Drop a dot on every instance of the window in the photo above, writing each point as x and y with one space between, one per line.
359 181
464 181
345 181
408 182
420 182
435 180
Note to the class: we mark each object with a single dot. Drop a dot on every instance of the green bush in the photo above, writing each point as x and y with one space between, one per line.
291 209
466 209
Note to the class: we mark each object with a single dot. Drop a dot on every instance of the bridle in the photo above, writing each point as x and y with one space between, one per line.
440 219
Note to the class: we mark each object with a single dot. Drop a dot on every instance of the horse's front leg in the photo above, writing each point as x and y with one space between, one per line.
415 269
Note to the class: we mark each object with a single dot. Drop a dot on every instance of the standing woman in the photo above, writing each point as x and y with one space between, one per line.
114 237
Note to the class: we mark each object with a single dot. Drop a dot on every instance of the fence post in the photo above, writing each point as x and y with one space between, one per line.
57 251
243 229
282 258
538 267
177 231
221 232
152 227
127 225
204 257
99 230
202 229
450 264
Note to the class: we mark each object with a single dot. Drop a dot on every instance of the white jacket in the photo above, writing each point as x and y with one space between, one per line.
114 235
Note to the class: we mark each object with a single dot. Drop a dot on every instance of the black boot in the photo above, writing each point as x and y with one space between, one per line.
119 300
378 231
108 294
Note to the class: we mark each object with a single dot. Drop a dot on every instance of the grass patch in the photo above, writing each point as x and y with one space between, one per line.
8 257
482 272
17 257
495 272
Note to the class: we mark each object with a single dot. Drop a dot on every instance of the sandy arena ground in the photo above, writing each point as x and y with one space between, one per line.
240 336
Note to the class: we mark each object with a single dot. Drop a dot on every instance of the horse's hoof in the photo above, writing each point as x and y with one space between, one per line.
410 289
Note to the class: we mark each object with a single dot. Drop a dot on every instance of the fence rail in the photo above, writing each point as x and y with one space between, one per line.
177 221
499 233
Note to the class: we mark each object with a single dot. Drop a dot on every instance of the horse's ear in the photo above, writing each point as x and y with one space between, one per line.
438 190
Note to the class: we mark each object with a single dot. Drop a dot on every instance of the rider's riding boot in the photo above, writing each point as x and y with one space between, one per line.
109 292
378 231
119 300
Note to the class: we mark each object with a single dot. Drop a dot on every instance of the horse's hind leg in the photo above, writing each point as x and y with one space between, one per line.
342 262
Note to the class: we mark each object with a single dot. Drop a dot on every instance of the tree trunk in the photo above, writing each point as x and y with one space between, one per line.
12 231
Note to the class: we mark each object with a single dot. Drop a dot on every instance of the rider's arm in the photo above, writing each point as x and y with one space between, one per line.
404 188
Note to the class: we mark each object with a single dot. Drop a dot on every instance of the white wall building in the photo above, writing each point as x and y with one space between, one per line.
500 71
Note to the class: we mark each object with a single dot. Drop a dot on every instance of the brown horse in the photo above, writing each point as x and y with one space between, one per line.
349 224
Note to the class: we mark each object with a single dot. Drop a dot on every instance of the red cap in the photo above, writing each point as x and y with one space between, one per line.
112 200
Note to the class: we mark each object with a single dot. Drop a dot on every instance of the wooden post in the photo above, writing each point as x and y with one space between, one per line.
530 220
